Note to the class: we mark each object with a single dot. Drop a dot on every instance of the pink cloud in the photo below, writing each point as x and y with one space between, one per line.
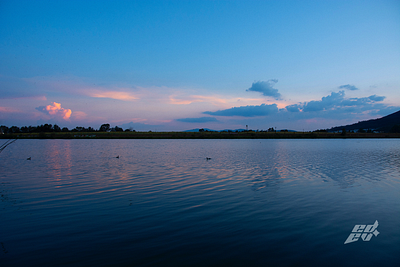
119 95
55 110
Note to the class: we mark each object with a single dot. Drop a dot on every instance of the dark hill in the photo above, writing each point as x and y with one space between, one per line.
385 124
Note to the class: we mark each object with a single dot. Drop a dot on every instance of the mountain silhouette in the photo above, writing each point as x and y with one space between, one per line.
385 124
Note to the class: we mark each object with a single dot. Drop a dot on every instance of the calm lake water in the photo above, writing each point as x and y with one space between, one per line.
161 203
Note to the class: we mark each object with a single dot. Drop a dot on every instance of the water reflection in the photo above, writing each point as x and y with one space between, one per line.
58 157
256 201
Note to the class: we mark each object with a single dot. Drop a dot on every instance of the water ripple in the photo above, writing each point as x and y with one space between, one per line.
256 202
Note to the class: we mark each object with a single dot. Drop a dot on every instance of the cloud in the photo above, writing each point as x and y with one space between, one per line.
55 110
118 95
293 108
325 103
336 102
348 87
198 120
376 98
333 109
266 88
246 111
75 86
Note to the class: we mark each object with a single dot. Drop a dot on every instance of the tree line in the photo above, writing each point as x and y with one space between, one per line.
49 128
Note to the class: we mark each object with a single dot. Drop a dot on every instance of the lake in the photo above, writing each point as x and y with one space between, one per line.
162 203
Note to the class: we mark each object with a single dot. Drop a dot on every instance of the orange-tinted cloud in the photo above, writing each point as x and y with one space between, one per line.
55 110
119 95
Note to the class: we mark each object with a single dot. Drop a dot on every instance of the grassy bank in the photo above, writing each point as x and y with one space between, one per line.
195 135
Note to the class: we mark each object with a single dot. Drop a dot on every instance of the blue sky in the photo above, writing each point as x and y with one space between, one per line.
178 65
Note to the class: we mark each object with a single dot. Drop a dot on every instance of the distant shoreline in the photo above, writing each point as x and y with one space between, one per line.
196 135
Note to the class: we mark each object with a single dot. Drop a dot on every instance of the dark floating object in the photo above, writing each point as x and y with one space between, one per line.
117 157
208 158
29 158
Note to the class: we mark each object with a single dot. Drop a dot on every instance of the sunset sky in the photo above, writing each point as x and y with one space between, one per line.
179 65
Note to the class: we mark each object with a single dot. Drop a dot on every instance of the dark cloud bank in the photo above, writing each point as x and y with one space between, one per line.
334 106
335 103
